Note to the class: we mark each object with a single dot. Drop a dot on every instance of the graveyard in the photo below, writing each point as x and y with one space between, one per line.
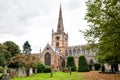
93 75
98 58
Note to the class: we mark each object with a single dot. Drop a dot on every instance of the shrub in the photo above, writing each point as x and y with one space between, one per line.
103 68
82 64
1 69
90 67
73 68
40 67
97 66
71 63
65 69
47 69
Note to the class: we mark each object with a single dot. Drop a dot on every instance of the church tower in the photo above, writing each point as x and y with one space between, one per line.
60 38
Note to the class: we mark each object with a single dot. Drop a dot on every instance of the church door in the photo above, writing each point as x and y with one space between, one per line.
48 59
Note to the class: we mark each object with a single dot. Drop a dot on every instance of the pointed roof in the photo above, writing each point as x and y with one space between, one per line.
48 47
60 27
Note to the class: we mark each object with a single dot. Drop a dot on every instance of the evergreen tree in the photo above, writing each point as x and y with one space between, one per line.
82 64
27 48
71 63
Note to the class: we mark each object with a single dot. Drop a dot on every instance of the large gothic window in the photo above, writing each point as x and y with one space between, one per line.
48 59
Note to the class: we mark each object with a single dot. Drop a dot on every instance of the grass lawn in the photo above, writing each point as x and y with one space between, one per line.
56 76
0 74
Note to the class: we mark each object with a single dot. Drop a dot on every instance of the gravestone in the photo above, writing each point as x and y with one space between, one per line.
35 70
93 68
31 72
5 70
12 74
5 77
21 72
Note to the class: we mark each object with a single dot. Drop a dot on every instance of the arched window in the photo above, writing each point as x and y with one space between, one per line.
66 53
63 63
74 52
91 61
57 44
48 59
78 51
70 52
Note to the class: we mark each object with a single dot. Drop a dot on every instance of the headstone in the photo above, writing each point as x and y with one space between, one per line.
21 72
35 70
5 70
5 77
93 68
31 72
12 74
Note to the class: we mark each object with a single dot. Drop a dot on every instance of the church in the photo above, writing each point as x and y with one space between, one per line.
56 54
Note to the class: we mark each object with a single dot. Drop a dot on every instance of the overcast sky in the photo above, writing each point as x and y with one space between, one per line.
33 20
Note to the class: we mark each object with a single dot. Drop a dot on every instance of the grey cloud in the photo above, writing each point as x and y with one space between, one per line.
15 14
73 4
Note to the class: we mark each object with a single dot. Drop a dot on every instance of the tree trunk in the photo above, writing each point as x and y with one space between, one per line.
28 71
114 68
5 70
103 67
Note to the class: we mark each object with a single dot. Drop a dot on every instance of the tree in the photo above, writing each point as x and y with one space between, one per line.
12 47
71 63
27 48
4 55
23 60
104 19
82 64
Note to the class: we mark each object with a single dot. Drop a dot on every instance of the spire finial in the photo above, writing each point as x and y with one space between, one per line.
60 27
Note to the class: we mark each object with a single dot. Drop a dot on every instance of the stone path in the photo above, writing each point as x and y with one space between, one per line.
95 75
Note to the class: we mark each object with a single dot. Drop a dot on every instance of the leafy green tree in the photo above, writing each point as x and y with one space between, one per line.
71 63
103 17
12 47
27 48
82 64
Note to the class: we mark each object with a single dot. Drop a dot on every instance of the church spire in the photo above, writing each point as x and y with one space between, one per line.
60 27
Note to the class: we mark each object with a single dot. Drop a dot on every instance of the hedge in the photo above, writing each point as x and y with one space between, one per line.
97 66
47 69
83 65
40 67
71 63
90 67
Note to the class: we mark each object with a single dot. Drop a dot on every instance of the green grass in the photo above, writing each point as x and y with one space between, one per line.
56 76
0 74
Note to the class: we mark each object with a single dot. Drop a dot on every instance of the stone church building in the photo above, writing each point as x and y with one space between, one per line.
55 55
